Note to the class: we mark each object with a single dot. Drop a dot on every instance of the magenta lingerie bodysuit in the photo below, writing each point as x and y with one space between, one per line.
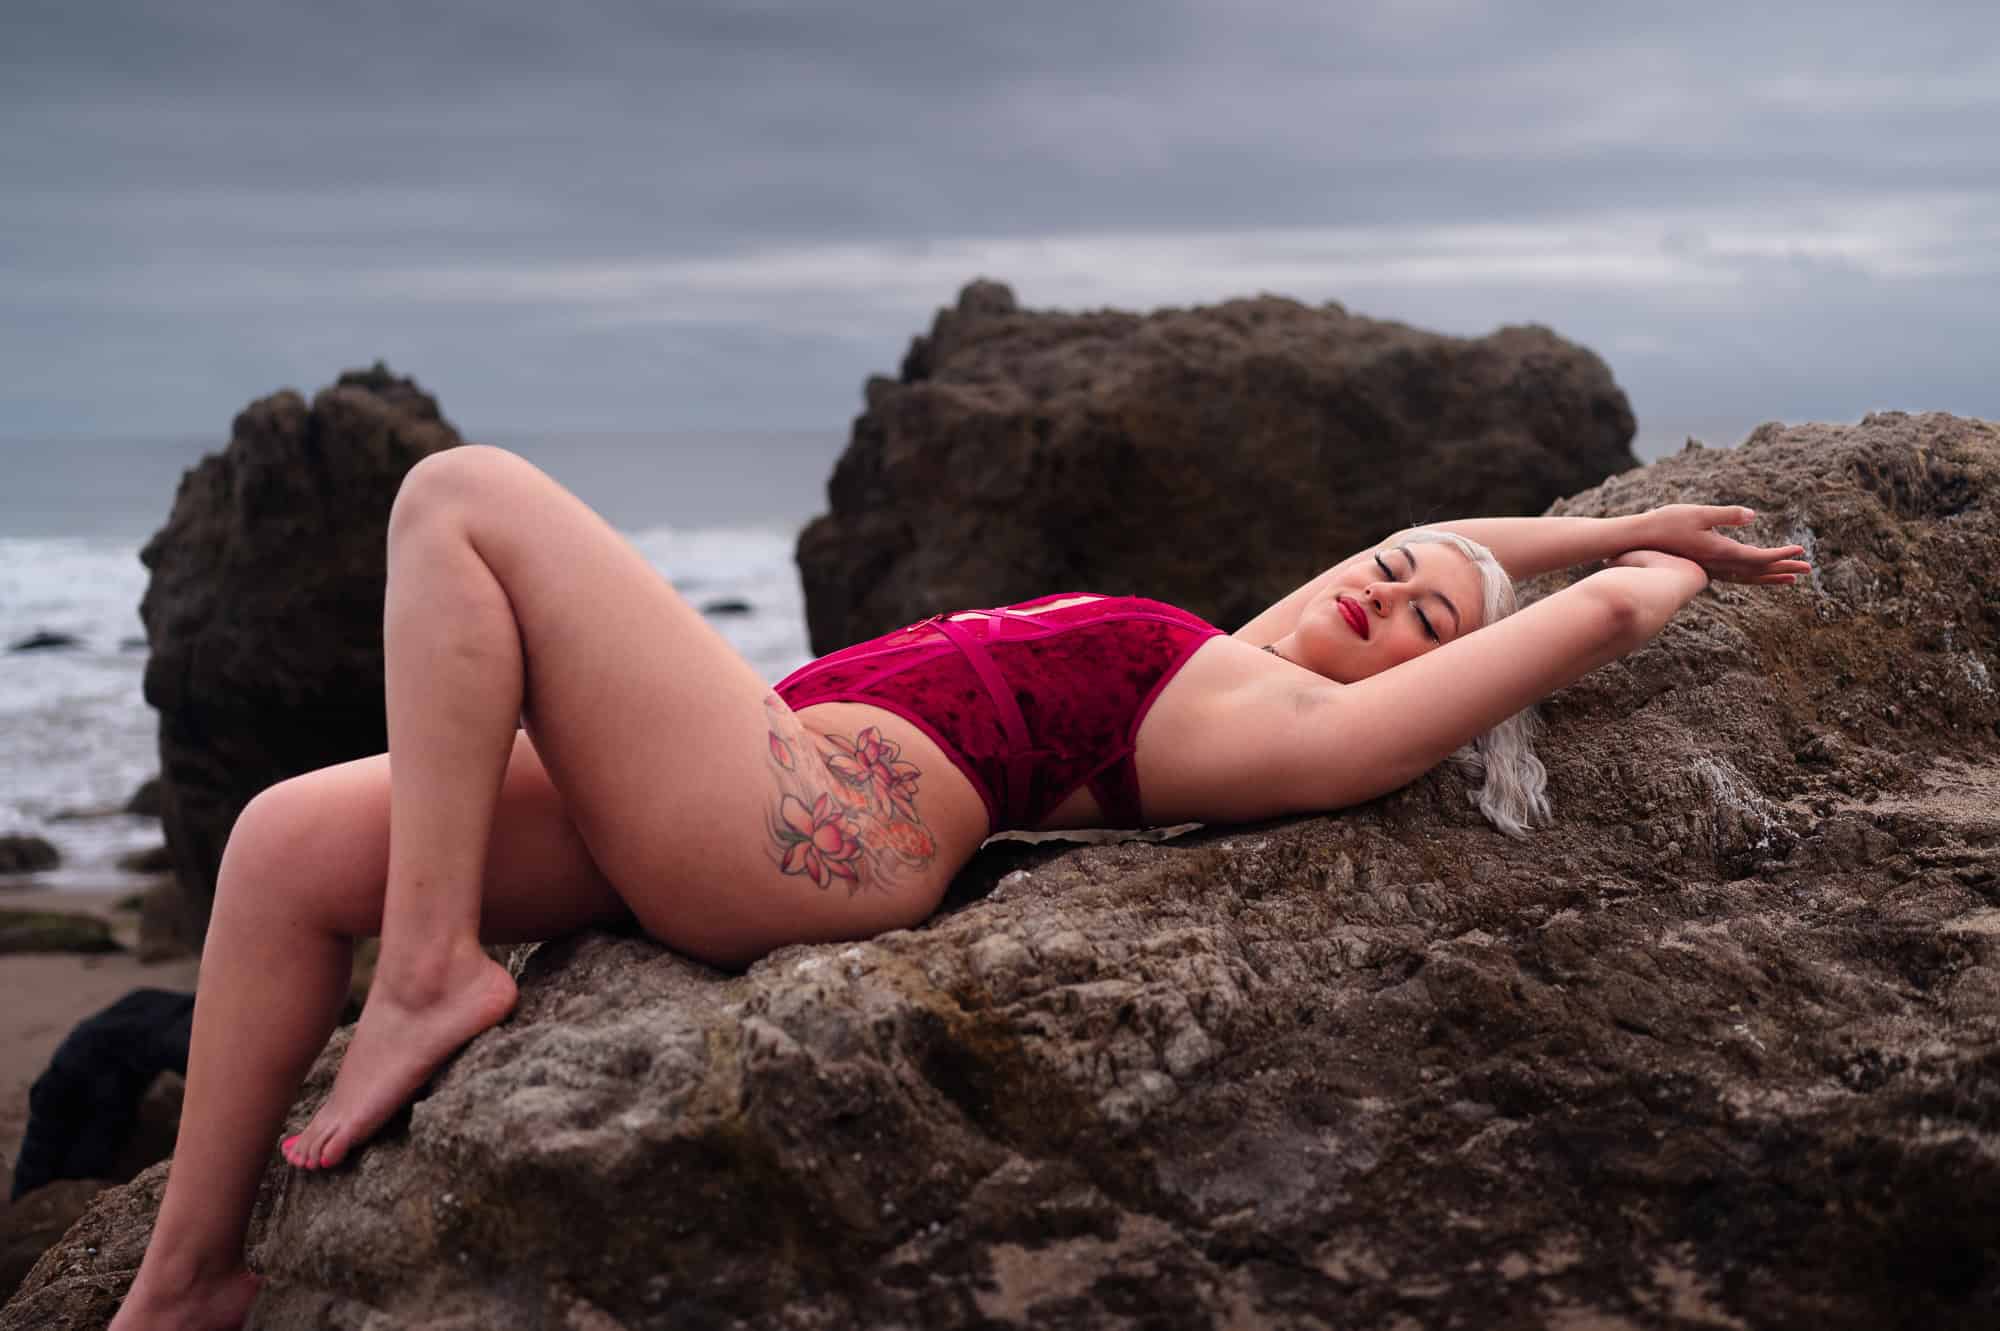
1029 707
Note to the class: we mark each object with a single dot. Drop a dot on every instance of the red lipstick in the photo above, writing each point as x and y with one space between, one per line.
1357 618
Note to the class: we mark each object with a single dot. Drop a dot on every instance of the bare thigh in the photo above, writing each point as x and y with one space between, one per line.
540 879
657 733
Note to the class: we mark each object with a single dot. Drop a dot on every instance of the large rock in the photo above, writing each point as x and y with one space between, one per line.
264 611
1215 458
1721 1048
22 853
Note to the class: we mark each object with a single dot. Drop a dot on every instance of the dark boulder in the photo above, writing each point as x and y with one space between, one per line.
145 800
44 641
1717 1049
153 859
264 610
20 853
1212 457
83 1108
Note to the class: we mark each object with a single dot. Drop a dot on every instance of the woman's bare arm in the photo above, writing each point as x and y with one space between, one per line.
1361 740
1526 547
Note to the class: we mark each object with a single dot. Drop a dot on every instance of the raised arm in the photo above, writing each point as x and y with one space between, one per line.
1526 547
1365 739
1529 546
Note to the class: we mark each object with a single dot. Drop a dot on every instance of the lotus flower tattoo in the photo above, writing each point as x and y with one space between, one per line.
817 841
872 763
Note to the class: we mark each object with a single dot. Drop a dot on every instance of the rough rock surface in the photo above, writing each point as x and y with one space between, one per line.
1214 457
264 610
1720 1049
30 1225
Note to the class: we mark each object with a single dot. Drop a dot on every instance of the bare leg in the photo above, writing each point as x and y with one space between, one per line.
454 689
271 989
514 582
303 877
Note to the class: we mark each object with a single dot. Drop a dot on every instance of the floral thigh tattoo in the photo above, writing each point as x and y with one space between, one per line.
859 823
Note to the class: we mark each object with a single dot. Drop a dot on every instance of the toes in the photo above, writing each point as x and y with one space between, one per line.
307 1150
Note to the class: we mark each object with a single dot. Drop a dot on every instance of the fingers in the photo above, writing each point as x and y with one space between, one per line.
1731 515
1761 579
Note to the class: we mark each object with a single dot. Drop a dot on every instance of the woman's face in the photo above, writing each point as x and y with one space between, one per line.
1385 608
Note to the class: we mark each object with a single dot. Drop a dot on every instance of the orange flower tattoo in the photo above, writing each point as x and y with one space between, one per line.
874 764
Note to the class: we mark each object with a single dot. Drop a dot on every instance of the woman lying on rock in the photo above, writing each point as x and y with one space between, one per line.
658 779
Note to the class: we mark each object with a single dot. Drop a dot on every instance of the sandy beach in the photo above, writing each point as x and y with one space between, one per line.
44 996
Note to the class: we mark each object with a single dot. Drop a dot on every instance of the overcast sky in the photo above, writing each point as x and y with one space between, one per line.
693 216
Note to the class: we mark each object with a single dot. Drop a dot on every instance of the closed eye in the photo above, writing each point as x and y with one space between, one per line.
1421 616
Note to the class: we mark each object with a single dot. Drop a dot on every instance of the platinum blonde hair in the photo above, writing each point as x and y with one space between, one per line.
1513 791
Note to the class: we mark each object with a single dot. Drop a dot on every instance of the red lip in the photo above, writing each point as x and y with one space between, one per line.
1357 618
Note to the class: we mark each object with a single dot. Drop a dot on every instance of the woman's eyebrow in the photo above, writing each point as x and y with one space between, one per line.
1411 555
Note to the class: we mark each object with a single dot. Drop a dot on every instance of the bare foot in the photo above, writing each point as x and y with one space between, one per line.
404 1033
217 1303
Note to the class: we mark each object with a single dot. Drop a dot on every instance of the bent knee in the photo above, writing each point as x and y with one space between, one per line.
455 476
272 830
305 841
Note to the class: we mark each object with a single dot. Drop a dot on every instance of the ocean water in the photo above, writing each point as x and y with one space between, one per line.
717 515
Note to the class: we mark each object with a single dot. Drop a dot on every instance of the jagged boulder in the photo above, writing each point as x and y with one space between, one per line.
264 609
1722 1047
1213 457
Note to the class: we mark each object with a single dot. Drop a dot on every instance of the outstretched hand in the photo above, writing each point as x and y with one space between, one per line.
1690 531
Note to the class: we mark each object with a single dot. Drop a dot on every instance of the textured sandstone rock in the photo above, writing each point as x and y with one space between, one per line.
264 610
1722 1048
29 1225
1213 457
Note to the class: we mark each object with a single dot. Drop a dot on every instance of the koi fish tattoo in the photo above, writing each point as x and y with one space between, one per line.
859 824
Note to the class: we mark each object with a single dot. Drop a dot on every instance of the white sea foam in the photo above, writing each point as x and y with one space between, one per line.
75 731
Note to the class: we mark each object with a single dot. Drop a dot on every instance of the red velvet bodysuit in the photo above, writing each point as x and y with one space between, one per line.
1029 707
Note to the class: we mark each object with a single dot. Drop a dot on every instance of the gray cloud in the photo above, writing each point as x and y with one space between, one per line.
701 215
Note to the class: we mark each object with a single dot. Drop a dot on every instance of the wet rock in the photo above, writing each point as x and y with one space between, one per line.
1214 457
